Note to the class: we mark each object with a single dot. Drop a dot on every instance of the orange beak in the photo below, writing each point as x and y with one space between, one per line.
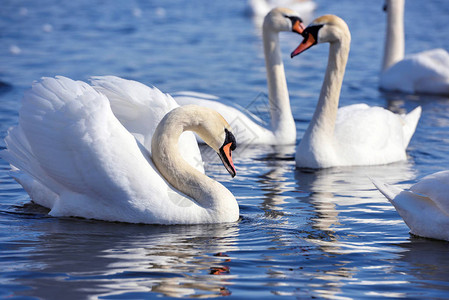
298 27
226 158
308 42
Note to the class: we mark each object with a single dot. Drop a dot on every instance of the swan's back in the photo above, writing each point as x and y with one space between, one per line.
363 135
424 72
436 187
373 135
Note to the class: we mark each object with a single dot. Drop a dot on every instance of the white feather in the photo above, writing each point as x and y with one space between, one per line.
424 207
76 158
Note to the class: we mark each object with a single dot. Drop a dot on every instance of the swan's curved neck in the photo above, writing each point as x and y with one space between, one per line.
323 120
394 41
180 174
281 115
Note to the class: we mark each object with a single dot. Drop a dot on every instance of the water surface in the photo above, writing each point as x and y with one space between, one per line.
324 234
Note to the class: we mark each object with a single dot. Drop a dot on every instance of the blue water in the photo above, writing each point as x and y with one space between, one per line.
325 234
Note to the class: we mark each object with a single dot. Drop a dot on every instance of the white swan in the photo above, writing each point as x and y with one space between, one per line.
72 155
356 134
283 128
260 8
424 207
424 72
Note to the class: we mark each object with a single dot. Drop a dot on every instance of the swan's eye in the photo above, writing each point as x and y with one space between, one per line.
313 30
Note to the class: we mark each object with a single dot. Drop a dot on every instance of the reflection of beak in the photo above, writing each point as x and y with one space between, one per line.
298 27
308 42
226 157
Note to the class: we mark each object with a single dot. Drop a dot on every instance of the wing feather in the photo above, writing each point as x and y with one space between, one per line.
140 108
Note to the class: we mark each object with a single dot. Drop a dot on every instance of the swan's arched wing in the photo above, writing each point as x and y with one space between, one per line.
434 61
79 144
140 108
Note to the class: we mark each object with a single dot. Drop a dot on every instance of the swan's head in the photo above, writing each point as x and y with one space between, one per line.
391 6
283 19
215 131
325 29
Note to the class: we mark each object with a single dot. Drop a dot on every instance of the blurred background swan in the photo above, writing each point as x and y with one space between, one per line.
305 8
425 72
249 129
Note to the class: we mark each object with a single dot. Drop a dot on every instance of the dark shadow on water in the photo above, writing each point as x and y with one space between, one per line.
5 87
403 103
427 259
391 96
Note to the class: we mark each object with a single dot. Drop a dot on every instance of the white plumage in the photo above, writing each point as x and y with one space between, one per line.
424 206
425 72
74 156
259 8
352 135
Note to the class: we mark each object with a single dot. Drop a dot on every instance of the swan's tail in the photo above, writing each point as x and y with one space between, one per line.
390 192
411 121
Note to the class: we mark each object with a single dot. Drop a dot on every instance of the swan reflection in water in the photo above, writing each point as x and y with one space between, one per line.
349 217
425 259
98 259
319 214
344 196
264 177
